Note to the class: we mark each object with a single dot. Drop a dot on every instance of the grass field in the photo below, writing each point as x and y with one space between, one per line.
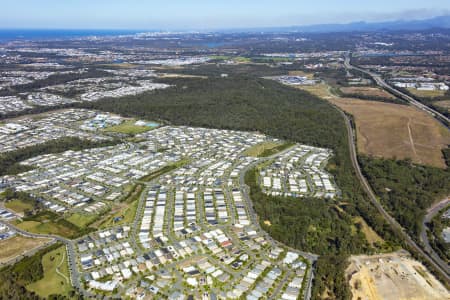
128 127
427 94
301 73
443 104
81 220
320 90
367 91
120 65
397 131
46 228
371 236
47 223
125 211
56 275
175 75
18 206
258 149
392 131
18 245
240 59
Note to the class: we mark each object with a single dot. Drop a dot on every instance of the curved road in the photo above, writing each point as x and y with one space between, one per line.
432 211
254 218
71 256
437 263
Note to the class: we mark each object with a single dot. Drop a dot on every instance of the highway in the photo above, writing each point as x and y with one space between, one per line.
437 264
440 117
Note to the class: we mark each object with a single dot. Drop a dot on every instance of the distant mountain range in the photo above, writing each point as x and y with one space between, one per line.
433 23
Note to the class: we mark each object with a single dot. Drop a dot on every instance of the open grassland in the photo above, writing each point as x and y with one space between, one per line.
258 150
392 131
392 277
123 213
49 223
396 131
45 228
56 275
320 90
443 104
366 92
18 245
371 236
128 127
301 73
82 220
18 206
175 75
427 94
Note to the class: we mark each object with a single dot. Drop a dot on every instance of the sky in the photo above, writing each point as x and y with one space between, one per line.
207 14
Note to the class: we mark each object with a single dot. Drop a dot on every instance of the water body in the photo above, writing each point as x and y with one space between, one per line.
49 34
152 124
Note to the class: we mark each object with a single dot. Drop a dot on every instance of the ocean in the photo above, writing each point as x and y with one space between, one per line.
49 34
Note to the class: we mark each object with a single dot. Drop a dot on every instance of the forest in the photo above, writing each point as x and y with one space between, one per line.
406 190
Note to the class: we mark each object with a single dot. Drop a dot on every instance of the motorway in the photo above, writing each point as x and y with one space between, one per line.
439 265
440 117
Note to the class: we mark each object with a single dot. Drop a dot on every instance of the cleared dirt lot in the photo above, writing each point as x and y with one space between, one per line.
396 131
18 245
391 130
392 276
367 91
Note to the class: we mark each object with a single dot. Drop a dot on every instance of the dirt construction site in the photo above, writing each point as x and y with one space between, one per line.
394 276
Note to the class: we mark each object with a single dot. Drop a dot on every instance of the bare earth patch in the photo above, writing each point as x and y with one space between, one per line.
396 131
392 276
18 245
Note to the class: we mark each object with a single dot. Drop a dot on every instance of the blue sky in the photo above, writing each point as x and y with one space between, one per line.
207 14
